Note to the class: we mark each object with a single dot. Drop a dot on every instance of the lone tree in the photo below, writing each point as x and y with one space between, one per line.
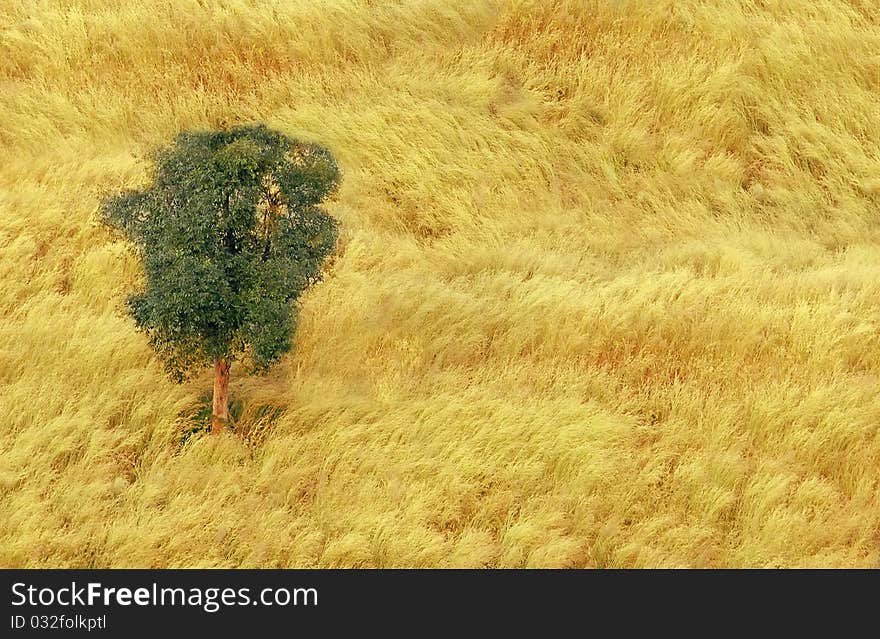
230 233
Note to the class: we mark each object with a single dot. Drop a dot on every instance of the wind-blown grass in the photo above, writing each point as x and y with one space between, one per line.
607 292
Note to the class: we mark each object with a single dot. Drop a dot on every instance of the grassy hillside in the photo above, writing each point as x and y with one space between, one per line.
607 291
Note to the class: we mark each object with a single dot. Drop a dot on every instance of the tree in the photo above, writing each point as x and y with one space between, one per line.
230 232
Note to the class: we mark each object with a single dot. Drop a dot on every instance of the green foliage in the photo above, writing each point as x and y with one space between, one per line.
230 233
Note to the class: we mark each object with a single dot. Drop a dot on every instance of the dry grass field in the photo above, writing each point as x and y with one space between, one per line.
607 292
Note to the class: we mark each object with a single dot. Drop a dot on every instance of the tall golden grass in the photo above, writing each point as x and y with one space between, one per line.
607 292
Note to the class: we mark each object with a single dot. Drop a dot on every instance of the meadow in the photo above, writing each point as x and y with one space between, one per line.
607 292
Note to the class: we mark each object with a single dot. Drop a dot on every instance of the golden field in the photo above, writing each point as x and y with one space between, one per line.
607 292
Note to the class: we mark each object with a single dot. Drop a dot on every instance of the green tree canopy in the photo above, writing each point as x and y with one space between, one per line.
230 233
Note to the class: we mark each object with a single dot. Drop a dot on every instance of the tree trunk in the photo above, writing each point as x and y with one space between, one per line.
220 417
